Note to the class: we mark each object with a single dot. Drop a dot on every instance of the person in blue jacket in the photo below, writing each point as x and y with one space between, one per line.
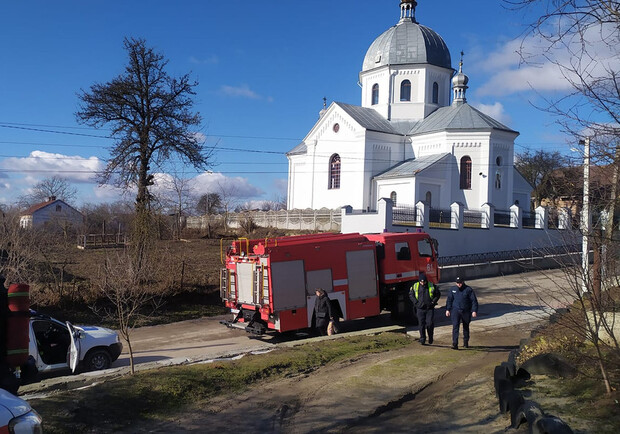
461 306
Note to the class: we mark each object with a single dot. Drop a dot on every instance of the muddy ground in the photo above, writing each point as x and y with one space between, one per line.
420 389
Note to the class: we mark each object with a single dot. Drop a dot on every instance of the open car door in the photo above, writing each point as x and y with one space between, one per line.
74 349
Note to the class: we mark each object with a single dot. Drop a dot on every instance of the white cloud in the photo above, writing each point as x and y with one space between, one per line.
200 137
109 193
211 60
281 186
40 164
212 182
541 72
496 111
242 91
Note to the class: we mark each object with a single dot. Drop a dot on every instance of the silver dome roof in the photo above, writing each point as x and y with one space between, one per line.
407 43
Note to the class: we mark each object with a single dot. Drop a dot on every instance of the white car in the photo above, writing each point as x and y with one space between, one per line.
16 415
55 345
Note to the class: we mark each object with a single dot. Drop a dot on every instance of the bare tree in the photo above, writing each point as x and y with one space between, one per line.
18 248
228 193
151 117
175 197
54 186
125 282
538 168
209 203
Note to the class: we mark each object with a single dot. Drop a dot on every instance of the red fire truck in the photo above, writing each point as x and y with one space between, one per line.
269 284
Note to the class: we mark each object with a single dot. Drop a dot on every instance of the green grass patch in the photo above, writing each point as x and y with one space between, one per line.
157 394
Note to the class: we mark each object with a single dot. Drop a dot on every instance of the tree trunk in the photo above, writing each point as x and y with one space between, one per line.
609 227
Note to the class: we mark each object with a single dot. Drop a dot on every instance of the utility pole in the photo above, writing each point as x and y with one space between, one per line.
585 215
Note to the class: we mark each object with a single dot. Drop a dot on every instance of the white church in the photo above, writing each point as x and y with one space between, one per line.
414 137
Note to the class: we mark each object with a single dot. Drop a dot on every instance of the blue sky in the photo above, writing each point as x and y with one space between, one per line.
263 69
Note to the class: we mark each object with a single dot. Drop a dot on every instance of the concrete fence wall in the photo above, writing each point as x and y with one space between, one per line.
323 220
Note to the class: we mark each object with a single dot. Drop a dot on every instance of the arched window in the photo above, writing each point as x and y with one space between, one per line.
498 180
393 197
465 173
435 93
375 94
405 90
428 199
334 172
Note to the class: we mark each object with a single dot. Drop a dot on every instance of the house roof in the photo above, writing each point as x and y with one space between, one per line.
38 206
460 117
412 167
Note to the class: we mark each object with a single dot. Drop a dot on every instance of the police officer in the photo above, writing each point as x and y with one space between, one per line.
462 306
424 296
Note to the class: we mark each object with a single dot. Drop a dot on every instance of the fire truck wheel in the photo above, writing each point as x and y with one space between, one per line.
97 360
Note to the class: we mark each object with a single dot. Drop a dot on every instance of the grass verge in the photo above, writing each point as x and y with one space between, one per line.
118 404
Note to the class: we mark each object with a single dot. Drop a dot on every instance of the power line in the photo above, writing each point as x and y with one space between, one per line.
40 128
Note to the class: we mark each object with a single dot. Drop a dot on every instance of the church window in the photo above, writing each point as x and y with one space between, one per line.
435 93
58 208
498 161
393 197
405 90
466 173
334 172
428 198
375 94
498 180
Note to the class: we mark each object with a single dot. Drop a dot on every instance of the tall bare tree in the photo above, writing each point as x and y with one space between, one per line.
151 116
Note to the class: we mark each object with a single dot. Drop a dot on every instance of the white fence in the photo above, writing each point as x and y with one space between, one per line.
458 238
312 220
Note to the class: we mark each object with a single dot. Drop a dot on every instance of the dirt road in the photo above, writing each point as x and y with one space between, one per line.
417 389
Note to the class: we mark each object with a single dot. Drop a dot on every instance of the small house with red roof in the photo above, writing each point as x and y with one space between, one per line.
51 212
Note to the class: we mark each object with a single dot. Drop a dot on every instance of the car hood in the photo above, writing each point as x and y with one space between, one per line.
16 406
97 332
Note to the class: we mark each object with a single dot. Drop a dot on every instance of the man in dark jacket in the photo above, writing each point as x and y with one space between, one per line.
462 306
424 297
322 311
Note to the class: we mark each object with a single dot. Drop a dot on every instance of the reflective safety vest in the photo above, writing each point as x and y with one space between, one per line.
431 289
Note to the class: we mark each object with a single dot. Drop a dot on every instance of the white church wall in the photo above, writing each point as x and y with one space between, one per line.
475 146
413 109
500 169
403 187
300 178
380 76
429 144
437 180
441 76
423 190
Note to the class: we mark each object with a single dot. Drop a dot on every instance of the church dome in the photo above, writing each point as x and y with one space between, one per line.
408 43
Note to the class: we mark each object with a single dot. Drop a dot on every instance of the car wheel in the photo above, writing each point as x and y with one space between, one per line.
97 360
